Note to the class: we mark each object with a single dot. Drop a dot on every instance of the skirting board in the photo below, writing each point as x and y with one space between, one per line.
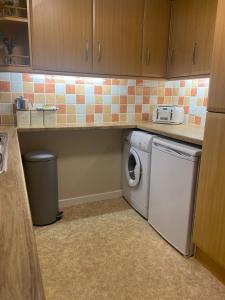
90 198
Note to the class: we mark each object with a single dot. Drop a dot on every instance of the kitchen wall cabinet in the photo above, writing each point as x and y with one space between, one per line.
118 26
61 33
209 229
155 37
192 30
217 88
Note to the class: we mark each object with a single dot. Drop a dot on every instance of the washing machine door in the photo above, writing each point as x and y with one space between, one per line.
133 168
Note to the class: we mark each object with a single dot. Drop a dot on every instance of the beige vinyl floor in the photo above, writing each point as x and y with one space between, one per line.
105 250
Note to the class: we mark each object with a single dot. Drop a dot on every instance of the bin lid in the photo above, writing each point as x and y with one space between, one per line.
39 156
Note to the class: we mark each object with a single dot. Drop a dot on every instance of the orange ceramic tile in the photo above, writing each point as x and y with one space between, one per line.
123 108
98 90
90 118
115 81
4 86
50 88
80 99
27 77
205 103
168 92
139 82
115 117
29 97
180 100
79 81
146 91
138 108
61 108
145 117
123 99
160 100
146 99
98 109
131 90
70 89
39 88
186 109
193 92
198 120
182 83
107 81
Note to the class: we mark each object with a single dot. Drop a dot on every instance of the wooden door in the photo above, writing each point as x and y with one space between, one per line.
181 38
204 35
217 81
118 29
61 34
209 229
155 37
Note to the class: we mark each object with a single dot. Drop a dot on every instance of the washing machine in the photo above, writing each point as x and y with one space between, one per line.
136 170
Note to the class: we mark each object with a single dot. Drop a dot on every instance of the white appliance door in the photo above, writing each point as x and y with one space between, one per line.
133 168
171 198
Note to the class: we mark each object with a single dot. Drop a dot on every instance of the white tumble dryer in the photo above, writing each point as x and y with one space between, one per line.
136 170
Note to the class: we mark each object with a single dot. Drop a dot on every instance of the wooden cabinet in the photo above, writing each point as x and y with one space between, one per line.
155 37
217 82
209 229
61 34
205 11
192 30
118 26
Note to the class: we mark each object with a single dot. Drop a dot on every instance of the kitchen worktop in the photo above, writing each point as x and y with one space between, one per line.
183 132
20 272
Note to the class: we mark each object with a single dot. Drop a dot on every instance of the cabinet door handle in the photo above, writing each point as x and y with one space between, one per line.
99 51
194 54
86 50
147 56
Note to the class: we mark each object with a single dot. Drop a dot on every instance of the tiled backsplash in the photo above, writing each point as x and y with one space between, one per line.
97 100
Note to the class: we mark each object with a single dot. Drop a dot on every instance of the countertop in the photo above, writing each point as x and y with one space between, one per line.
20 271
20 277
187 133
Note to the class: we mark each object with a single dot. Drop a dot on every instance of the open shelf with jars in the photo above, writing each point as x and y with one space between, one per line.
14 35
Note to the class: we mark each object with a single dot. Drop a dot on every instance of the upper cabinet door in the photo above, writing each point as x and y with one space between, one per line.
181 38
118 27
203 36
217 82
61 34
192 31
155 37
